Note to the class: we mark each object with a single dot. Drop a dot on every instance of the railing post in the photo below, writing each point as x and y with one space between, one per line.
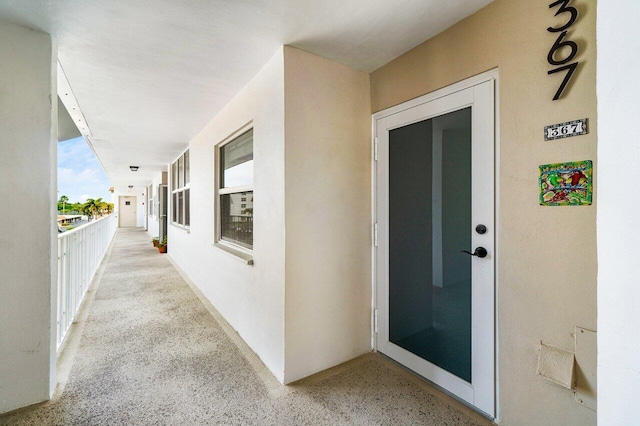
80 253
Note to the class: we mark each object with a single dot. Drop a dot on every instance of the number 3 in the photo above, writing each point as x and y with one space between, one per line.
564 9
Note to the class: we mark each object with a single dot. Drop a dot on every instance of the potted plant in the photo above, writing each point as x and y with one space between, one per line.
155 241
162 245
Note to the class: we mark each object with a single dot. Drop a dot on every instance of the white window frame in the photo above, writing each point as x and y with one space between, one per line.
243 252
176 189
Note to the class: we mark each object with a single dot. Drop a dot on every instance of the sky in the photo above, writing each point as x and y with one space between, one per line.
80 175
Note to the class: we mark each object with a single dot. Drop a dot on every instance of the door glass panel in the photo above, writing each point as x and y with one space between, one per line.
429 224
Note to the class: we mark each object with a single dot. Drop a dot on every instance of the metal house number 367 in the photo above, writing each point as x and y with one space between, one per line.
560 43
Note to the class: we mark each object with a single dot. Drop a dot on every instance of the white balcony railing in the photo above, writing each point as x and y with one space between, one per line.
80 252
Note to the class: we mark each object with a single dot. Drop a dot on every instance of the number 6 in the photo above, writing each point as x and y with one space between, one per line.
559 44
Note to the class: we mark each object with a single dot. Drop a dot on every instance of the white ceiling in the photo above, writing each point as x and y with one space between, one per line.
149 74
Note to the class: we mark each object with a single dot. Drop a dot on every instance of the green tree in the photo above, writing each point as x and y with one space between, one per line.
63 200
87 209
92 207
102 208
76 208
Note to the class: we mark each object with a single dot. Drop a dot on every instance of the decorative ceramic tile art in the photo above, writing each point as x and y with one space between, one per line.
566 184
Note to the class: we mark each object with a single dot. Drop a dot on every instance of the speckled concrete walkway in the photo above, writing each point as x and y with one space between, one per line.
151 352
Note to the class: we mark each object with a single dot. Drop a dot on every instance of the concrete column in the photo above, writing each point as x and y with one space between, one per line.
618 212
28 240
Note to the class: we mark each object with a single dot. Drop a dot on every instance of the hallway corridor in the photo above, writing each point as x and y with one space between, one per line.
146 350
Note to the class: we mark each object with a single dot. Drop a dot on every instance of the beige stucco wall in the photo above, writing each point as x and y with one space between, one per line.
328 205
546 275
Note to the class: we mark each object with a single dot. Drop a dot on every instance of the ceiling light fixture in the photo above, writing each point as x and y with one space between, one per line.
134 168
130 186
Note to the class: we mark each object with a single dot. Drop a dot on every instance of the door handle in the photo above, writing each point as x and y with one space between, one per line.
479 251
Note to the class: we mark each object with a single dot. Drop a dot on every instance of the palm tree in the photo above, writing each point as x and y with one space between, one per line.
93 207
87 209
102 207
63 200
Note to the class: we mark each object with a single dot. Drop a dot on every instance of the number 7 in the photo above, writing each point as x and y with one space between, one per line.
572 68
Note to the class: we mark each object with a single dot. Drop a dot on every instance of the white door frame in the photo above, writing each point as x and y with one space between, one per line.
489 402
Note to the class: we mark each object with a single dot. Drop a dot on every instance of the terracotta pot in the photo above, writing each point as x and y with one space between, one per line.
155 243
162 249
